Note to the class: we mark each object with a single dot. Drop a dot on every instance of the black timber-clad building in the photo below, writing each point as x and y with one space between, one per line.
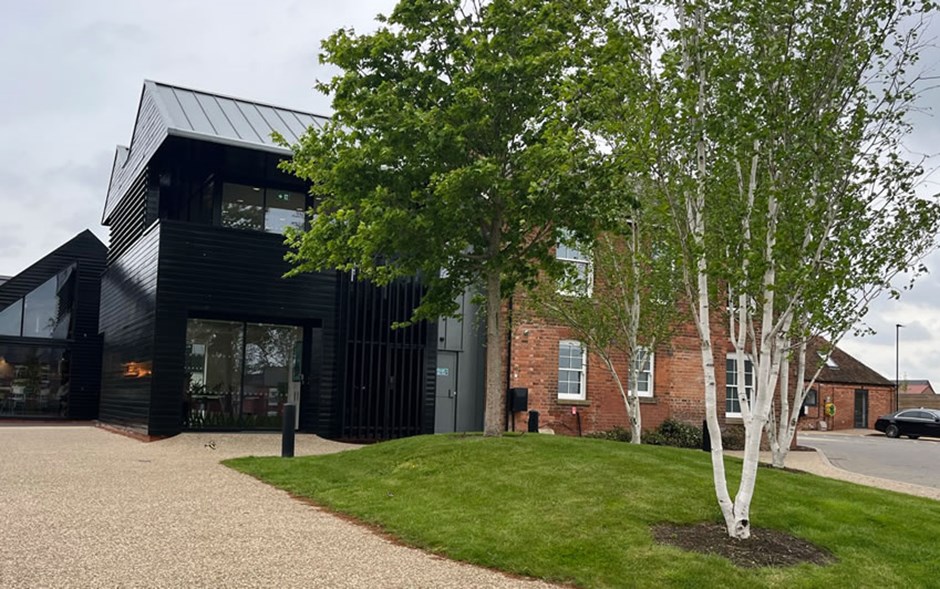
50 350
200 328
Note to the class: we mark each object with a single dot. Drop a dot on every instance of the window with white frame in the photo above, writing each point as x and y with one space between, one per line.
579 279
572 370
641 373
732 402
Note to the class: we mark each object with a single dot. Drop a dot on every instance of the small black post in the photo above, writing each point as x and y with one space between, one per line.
706 437
533 422
287 430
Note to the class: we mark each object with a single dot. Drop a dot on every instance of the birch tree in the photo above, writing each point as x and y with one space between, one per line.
777 134
626 309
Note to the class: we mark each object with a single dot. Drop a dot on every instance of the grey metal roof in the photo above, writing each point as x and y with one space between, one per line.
167 110
4 279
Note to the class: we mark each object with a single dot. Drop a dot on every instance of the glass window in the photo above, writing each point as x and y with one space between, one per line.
242 206
33 381
240 375
812 398
732 403
284 209
47 310
572 360
641 368
270 370
579 278
11 319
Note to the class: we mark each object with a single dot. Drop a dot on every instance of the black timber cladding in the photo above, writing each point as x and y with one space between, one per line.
388 374
229 274
128 305
88 255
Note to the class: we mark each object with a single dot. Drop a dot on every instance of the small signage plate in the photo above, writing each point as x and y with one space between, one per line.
443 371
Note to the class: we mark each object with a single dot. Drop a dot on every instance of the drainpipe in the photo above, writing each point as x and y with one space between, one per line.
509 416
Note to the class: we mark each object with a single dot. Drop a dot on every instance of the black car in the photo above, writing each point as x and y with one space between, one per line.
912 423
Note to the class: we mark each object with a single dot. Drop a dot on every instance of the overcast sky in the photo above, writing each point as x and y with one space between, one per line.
70 79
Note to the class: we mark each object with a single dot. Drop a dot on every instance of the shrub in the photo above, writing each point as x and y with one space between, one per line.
675 433
617 434
732 438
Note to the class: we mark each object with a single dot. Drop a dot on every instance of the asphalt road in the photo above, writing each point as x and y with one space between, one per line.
901 459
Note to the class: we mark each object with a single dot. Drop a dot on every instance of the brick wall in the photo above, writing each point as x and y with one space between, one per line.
880 402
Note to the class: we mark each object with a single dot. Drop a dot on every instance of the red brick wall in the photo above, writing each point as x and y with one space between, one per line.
880 402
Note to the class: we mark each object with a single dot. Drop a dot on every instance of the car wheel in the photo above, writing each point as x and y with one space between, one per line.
892 431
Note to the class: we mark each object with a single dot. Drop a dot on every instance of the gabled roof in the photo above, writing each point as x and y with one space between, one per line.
918 387
166 110
842 368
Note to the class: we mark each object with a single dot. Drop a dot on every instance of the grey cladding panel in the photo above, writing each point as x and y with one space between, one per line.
244 129
275 122
218 119
194 113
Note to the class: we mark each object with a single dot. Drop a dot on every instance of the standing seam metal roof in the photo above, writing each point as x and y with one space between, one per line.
171 110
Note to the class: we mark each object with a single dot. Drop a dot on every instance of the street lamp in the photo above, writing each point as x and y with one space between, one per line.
897 331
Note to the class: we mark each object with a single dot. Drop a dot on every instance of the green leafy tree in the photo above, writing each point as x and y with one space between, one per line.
455 152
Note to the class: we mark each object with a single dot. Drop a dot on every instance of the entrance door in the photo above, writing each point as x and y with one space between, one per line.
445 401
861 408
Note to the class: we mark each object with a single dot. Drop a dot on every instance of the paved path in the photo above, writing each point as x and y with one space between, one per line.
908 461
82 507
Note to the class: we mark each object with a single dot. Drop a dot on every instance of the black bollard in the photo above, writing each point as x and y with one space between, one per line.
287 430
533 422
706 437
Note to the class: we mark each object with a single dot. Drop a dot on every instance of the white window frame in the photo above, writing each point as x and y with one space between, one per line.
749 391
583 260
651 356
582 393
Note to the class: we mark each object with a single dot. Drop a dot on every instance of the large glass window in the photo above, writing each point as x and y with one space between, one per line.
260 209
46 312
11 319
572 370
240 375
242 207
284 209
33 381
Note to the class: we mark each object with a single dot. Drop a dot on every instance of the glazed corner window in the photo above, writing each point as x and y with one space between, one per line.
732 402
261 209
641 369
45 312
572 370
579 276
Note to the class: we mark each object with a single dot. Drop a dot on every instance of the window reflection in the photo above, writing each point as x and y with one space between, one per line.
258 209
242 207
11 319
33 381
223 390
46 312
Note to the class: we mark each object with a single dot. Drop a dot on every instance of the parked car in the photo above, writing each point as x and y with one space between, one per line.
912 423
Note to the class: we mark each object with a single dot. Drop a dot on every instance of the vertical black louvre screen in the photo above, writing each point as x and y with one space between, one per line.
385 378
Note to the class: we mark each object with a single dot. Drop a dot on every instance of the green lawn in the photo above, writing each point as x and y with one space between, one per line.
579 510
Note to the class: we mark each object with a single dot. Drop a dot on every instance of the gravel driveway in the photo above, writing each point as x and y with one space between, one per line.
83 507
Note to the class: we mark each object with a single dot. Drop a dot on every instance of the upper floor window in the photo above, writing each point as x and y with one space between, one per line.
641 373
579 279
572 370
732 402
262 209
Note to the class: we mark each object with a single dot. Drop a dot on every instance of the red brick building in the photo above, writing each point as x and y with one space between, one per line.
574 392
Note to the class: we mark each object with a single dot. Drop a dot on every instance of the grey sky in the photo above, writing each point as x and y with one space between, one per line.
70 78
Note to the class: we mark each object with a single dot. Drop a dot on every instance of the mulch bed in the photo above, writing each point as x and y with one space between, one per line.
765 548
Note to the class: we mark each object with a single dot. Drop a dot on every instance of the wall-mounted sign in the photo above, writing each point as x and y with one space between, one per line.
443 371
